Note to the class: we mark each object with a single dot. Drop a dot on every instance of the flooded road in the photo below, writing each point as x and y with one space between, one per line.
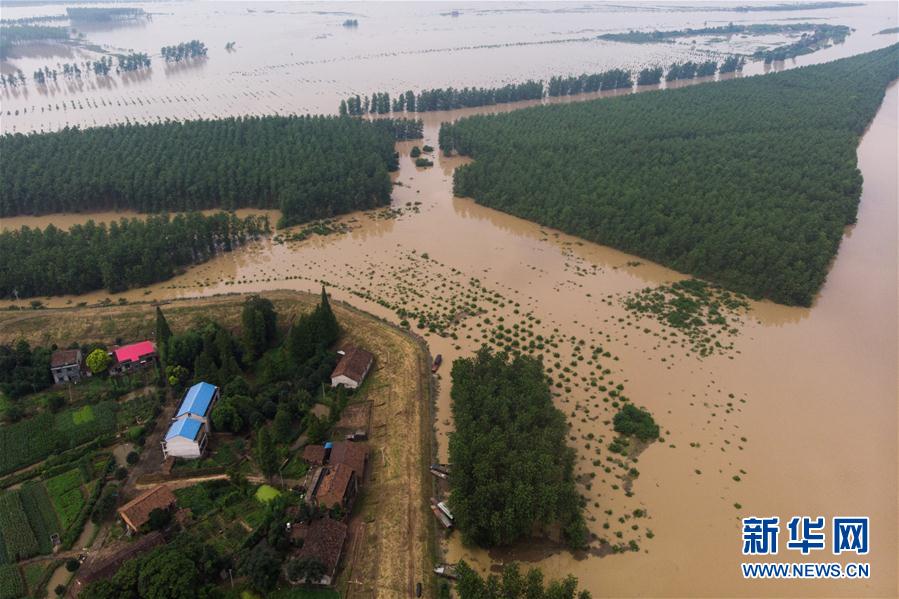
800 418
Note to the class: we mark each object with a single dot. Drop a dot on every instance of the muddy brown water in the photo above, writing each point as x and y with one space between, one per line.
803 409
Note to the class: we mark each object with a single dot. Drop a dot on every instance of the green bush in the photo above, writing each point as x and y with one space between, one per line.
634 421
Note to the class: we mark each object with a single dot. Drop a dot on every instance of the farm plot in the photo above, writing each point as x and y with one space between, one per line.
41 514
11 584
17 534
66 496
34 439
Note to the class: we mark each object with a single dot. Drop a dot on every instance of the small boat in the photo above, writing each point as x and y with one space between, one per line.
443 508
437 362
441 517
440 471
446 570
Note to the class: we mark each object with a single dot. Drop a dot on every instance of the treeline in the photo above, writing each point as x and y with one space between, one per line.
748 183
309 167
450 98
512 470
689 70
585 83
513 584
184 51
104 14
650 37
124 254
11 35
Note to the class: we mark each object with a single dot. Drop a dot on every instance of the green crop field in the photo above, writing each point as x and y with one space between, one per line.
66 496
34 439
83 416
17 534
11 584
41 514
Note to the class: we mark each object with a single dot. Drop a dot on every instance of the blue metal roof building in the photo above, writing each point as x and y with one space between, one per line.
197 400
188 428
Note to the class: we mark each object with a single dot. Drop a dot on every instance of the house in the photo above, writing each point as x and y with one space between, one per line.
337 487
136 512
354 455
188 434
352 368
187 437
198 402
135 356
66 365
323 541
314 454
107 562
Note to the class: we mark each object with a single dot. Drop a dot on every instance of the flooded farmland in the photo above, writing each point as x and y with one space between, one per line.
799 417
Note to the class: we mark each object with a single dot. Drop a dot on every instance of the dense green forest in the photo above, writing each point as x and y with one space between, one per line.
747 182
11 35
128 253
512 470
309 167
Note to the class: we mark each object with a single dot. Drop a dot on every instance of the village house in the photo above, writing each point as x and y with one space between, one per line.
133 357
352 368
198 402
136 512
188 434
67 366
322 540
186 438
354 455
337 487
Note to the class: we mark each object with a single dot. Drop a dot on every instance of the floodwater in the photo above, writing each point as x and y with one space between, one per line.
802 411
298 58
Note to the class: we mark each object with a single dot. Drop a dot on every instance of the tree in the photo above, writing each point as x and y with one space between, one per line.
308 569
72 564
132 458
258 320
159 519
163 332
262 566
98 361
282 426
631 420
225 417
168 575
264 451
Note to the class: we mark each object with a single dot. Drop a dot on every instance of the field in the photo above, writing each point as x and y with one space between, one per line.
393 543
34 439
11 584
65 494
266 493
17 534
41 514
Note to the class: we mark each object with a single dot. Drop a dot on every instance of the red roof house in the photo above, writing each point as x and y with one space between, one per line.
132 357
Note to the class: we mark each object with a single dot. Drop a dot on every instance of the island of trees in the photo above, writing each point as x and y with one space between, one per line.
512 470
128 253
309 167
184 51
747 183
104 14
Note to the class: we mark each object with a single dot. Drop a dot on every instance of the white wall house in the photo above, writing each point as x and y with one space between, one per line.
186 438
